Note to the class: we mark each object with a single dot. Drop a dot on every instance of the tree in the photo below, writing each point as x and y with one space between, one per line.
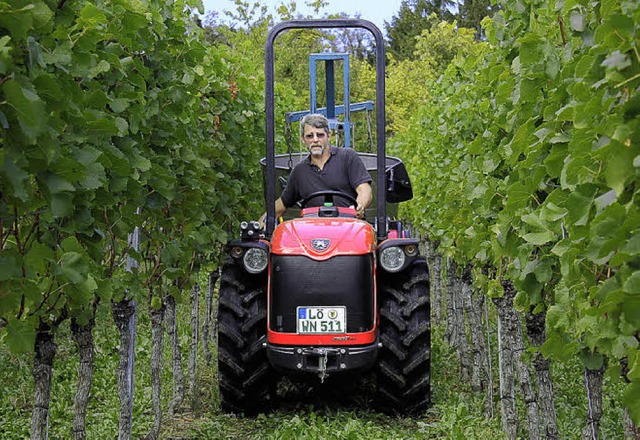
471 12
412 19
410 79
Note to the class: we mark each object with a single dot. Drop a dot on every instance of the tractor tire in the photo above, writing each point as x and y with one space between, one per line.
404 362
245 377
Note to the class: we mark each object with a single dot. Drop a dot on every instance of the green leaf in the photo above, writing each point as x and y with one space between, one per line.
20 336
123 126
608 221
632 309
632 246
577 20
555 160
561 247
37 259
91 16
632 284
42 15
591 361
4 123
72 268
18 21
617 60
119 105
518 196
48 86
141 163
57 184
29 108
16 177
559 347
579 204
634 366
102 67
10 266
606 199
619 168
539 238
61 204
631 401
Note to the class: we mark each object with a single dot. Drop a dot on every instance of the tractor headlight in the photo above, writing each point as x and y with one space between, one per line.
392 259
255 260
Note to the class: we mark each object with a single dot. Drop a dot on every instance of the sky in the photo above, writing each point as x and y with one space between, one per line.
376 11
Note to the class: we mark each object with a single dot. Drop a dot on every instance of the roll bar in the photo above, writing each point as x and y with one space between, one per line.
381 214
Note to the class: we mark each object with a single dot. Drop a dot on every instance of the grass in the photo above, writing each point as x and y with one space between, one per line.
457 412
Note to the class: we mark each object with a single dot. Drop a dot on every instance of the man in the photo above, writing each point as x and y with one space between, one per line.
327 168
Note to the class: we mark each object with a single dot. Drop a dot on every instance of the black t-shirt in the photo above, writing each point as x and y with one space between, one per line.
343 171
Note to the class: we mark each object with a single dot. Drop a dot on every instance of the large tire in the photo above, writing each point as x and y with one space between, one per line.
245 377
404 363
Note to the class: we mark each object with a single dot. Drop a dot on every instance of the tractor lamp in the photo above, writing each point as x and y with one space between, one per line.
411 250
236 251
392 259
255 260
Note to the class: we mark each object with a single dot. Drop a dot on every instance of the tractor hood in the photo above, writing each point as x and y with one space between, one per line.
322 239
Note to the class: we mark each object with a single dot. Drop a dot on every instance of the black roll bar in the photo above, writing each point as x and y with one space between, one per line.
381 214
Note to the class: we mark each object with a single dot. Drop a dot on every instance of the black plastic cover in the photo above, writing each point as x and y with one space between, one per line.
345 280
398 184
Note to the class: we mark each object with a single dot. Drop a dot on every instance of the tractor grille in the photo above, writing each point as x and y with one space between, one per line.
338 281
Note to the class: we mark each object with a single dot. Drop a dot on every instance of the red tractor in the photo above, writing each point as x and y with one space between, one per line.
326 294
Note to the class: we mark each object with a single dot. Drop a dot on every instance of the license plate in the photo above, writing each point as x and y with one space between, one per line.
322 319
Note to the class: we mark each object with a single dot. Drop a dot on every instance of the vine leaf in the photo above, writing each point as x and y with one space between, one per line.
20 336
29 108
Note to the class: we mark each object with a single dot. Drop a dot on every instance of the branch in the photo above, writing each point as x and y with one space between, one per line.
192 264
564 37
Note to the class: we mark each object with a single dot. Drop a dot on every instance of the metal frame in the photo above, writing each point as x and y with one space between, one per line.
330 89
339 109
381 214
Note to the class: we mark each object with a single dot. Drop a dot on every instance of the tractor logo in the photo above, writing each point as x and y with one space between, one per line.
320 244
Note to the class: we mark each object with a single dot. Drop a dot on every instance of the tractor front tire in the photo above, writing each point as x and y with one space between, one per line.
404 362
245 377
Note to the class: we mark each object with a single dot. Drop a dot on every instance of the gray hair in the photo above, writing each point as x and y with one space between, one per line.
315 120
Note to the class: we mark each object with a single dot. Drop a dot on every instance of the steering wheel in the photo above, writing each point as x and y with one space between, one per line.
326 194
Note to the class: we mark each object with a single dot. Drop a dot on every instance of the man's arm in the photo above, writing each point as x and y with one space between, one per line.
280 210
365 196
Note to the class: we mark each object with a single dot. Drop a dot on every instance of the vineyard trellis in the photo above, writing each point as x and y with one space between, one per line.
114 115
527 163
525 166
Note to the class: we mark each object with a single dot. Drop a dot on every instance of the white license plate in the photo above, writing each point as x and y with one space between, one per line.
322 319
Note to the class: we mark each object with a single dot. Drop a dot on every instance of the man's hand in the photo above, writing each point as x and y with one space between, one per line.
359 210
365 196
280 210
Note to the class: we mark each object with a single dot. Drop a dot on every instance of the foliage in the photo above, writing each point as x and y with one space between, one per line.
245 29
413 18
471 13
526 163
435 48
106 109
457 411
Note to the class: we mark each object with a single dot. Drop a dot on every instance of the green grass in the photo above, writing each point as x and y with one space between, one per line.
457 412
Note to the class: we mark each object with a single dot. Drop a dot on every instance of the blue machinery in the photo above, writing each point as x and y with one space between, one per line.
331 111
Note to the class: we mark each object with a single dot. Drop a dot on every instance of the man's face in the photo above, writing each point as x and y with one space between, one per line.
316 140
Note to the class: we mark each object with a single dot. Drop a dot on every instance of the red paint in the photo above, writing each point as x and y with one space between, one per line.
348 236
334 339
